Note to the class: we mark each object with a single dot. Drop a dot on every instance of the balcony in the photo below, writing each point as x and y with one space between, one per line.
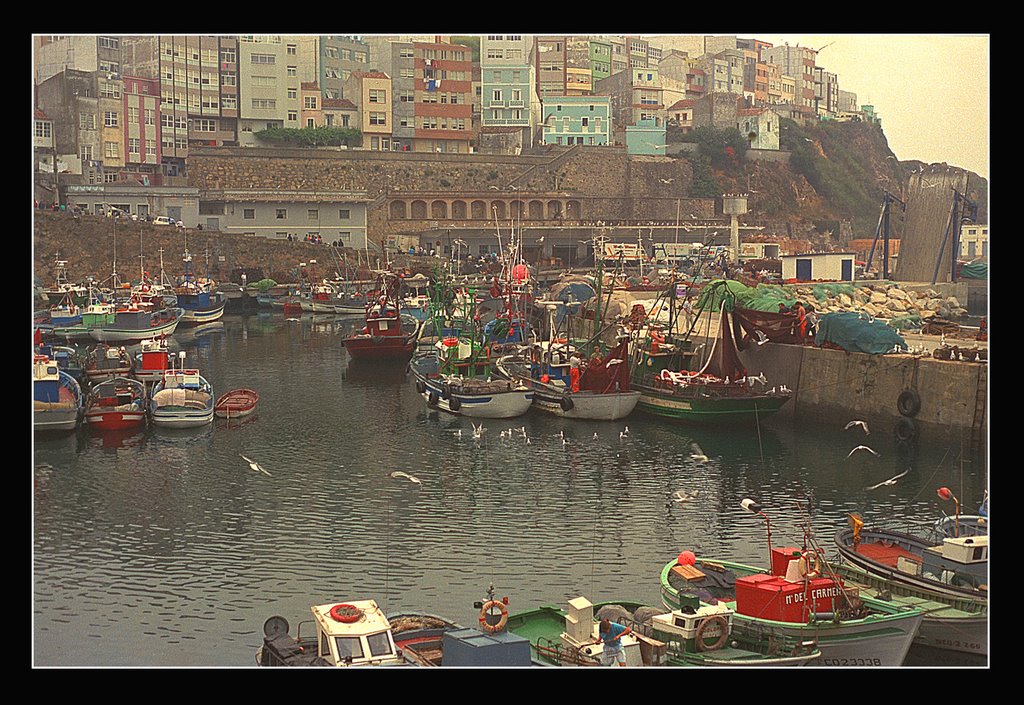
516 104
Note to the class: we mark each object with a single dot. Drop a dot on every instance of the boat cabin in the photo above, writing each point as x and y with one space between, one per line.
581 629
957 561
796 591
47 379
686 625
183 379
354 634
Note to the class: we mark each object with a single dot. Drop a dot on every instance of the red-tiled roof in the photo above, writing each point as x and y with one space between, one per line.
340 103
309 86
679 105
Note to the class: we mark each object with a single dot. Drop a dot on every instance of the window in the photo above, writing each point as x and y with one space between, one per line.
407 73
150 148
309 103
310 122
292 50
111 150
281 213
86 121
263 59
292 71
133 146
313 214
110 119
378 96
133 116
344 214
228 79
293 93
110 43
378 118
43 128
586 121
264 103
268 81
203 125
496 96
293 115
109 90
150 116
406 53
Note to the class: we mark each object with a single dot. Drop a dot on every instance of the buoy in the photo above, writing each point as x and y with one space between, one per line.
686 558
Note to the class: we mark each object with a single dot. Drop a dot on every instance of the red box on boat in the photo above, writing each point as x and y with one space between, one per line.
154 360
781 556
771 597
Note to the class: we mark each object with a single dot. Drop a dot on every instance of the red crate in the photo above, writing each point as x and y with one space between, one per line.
781 556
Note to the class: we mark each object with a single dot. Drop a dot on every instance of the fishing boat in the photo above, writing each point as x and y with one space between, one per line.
69 359
116 404
57 397
132 325
197 298
357 633
798 597
63 289
182 399
152 360
601 389
386 336
695 635
96 313
950 623
719 390
416 296
952 565
105 361
65 312
315 295
236 403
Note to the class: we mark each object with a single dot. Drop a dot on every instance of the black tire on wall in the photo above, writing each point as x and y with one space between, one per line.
908 403
905 429
420 386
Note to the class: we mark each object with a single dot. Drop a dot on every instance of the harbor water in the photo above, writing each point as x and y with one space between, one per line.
165 549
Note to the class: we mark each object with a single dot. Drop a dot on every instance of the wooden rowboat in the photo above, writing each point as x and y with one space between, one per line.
236 403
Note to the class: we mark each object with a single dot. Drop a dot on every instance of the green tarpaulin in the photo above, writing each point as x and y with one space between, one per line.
855 332
974 270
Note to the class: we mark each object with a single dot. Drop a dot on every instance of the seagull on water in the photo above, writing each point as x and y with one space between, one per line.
478 430
857 422
254 465
595 435
697 453
862 448
407 476
458 433
890 481
625 431
680 497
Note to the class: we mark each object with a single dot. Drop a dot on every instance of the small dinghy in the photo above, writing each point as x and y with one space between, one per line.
236 403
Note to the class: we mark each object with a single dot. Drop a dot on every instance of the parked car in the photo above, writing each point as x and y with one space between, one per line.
164 220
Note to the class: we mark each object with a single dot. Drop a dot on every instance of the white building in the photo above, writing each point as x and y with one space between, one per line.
819 266
973 241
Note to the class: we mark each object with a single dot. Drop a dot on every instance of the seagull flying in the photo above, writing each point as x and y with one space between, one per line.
857 422
697 453
862 448
890 481
680 496
254 465
407 476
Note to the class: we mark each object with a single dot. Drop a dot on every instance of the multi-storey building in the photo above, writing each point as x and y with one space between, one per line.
402 59
635 95
141 111
337 217
847 101
311 114
372 94
549 60
45 167
330 60
974 240
199 89
826 92
798 63
269 84
600 59
340 112
724 71
507 84
774 76
577 120
680 114
579 76
443 85
70 100
756 78
53 54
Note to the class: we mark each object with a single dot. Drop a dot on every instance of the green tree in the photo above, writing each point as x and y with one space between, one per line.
311 136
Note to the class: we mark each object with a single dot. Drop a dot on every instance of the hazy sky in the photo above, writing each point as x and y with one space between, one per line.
931 90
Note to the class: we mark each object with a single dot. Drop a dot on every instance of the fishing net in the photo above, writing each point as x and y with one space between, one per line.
974 270
854 332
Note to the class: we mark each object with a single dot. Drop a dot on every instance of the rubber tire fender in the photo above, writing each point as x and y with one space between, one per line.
432 399
446 391
453 403
905 429
420 386
908 403
566 403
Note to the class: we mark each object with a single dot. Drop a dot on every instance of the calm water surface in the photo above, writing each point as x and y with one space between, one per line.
164 548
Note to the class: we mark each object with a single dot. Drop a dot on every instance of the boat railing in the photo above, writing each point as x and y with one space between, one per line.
555 651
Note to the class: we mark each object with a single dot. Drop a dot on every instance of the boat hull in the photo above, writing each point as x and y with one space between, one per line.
392 348
881 639
107 420
130 335
489 405
586 405
55 420
179 419
195 317
708 410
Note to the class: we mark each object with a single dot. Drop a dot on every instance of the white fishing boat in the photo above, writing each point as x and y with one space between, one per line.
182 399
57 397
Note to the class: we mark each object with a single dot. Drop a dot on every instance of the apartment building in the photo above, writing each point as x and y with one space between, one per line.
847 101
443 87
268 83
723 71
549 60
600 59
198 89
141 112
403 74
70 101
507 83
826 92
635 95
372 94
798 63
680 114
582 120
329 61
579 77
52 54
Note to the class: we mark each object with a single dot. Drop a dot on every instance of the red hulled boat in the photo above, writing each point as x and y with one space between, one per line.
116 404
383 337
236 403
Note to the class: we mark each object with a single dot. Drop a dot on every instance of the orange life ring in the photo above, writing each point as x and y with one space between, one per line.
450 342
345 613
723 627
492 628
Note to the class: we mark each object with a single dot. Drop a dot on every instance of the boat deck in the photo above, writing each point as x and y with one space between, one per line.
886 553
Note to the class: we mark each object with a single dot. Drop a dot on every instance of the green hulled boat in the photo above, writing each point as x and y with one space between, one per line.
693 635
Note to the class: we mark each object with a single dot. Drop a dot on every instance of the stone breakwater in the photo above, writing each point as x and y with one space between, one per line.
887 302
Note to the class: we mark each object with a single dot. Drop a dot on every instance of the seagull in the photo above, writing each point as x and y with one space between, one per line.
522 430
862 448
254 465
679 496
292 320
761 337
625 431
407 476
565 442
527 441
478 430
561 434
666 181
540 239
622 435
760 378
595 435
862 424
458 433
890 481
697 453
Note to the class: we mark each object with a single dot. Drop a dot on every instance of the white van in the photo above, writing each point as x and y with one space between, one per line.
164 220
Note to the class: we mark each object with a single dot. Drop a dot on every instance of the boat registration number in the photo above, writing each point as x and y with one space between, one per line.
958 644
851 662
